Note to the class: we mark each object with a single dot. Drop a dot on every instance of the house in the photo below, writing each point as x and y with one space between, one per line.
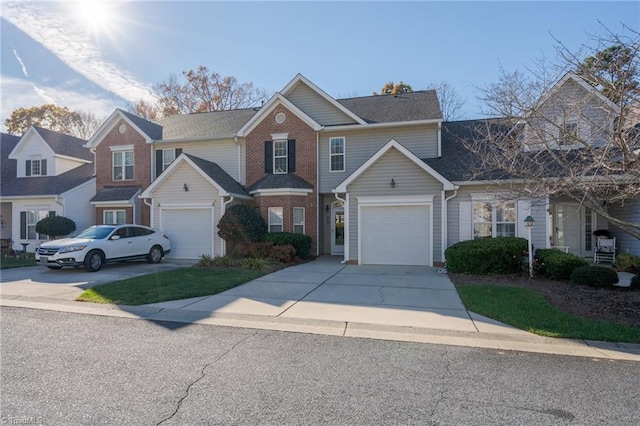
375 179
43 173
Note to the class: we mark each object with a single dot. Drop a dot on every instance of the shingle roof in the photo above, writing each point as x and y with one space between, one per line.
153 130
217 124
64 144
46 185
218 175
279 181
420 105
8 168
116 193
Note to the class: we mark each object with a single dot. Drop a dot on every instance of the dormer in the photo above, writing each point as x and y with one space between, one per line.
42 152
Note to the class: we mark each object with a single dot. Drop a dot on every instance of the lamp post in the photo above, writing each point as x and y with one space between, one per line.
528 223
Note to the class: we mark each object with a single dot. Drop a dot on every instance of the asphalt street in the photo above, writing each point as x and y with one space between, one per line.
65 368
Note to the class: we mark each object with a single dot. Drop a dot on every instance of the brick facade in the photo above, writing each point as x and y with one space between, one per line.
305 167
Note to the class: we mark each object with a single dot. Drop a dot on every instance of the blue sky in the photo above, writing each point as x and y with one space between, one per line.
52 54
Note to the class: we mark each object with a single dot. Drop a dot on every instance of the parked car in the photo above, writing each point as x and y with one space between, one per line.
102 244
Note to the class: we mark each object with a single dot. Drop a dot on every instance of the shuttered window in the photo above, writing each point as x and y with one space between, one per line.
280 156
28 221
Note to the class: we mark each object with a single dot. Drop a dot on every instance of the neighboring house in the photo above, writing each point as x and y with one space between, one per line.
43 173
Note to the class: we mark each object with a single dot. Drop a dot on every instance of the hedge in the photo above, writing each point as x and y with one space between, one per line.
302 243
557 264
502 255
594 276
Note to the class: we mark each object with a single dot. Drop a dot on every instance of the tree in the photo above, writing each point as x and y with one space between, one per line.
450 101
543 152
52 117
198 90
55 226
241 225
392 89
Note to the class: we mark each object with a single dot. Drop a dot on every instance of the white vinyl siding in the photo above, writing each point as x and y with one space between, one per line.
336 153
317 107
629 212
276 219
123 165
298 220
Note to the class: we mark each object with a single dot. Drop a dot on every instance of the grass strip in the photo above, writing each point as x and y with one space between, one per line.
169 285
6 263
527 310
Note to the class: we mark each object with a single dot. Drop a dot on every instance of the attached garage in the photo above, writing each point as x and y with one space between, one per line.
190 231
395 234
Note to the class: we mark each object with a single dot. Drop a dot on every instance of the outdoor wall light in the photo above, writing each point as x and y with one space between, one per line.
326 208
528 221
185 187
393 183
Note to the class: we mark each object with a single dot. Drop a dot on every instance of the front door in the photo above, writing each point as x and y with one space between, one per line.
568 227
337 230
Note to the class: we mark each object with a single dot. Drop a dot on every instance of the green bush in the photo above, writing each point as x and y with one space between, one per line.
302 243
635 281
55 226
241 225
502 255
283 254
594 276
626 262
557 264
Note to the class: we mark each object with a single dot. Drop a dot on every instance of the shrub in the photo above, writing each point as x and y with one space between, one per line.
635 281
240 225
626 262
258 250
283 253
302 243
594 276
557 264
205 261
253 263
225 261
55 226
502 255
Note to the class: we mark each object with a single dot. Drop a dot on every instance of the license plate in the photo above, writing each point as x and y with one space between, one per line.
44 259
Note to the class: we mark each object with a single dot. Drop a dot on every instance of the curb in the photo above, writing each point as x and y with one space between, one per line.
523 342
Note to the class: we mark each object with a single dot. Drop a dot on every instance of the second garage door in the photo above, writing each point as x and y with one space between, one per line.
190 232
395 235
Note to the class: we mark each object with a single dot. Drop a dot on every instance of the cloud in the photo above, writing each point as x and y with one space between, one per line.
63 37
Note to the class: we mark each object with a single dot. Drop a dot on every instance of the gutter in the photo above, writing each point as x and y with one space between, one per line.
346 226
444 233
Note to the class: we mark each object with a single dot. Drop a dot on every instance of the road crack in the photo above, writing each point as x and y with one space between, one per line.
443 389
202 376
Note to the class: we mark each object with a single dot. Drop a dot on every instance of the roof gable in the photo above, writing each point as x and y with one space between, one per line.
148 130
30 137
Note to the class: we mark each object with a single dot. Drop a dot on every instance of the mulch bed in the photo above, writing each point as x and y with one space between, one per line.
618 304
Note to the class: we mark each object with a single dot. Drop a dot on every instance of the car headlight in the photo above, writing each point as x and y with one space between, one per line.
72 248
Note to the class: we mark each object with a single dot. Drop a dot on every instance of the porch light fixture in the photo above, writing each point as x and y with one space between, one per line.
185 187
528 223
393 183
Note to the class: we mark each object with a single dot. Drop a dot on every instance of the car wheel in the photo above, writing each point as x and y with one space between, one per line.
54 267
155 255
93 262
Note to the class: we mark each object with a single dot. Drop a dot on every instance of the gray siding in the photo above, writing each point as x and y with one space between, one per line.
317 107
360 145
410 180
629 212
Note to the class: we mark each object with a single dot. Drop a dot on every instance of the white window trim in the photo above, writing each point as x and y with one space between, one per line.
115 215
344 154
165 165
33 163
281 224
124 173
494 216
299 223
286 157
117 148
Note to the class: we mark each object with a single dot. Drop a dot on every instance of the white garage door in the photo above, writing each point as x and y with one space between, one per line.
395 235
190 232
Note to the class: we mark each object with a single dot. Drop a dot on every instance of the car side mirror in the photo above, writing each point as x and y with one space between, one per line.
115 237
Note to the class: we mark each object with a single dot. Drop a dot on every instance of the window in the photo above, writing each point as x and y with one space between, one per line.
123 165
298 220
113 217
494 219
168 155
280 156
568 134
275 219
336 154
36 167
28 220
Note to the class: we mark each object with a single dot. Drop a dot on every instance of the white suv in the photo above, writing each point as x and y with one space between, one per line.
102 244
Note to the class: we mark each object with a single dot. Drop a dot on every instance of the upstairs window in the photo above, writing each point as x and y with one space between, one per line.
164 158
36 168
123 165
336 154
276 219
494 219
568 134
279 157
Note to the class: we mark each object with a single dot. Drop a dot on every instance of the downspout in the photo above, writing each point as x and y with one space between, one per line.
444 232
346 227
151 219
318 206
222 210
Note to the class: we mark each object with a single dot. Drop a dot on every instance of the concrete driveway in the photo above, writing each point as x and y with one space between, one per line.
326 289
69 283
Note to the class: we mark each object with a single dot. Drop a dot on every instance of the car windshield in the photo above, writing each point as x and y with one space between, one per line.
96 233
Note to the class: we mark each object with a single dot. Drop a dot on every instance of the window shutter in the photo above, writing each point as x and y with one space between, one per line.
23 225
291 155
158 162
465 221
268 157
178 152
43 167
523 209
52 213
28 168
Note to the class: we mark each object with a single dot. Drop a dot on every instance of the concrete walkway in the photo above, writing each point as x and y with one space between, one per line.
415 304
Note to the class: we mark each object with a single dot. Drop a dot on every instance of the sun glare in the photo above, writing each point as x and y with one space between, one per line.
94 14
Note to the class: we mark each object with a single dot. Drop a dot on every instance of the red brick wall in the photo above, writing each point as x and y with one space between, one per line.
141 165
306 168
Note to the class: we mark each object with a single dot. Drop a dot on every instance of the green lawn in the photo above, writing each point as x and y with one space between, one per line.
20 261
529 311
170 285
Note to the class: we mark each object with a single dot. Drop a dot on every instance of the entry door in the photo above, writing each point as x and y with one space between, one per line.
568 226
337 230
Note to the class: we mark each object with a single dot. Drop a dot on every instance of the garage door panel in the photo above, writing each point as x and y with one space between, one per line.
395 235
190 232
